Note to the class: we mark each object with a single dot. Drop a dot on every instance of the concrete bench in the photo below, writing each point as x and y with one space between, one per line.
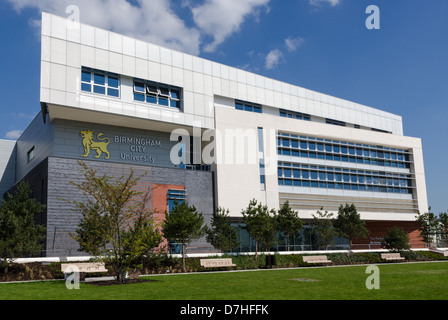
391 256
83 268
216 263
316 259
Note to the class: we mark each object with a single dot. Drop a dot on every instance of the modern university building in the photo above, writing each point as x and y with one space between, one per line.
208 133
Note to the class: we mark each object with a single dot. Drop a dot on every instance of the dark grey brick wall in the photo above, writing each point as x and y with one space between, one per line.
62 219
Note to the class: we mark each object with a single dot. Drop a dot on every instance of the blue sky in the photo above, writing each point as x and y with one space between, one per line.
322 45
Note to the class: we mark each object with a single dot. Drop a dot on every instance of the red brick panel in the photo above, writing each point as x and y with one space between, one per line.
378 230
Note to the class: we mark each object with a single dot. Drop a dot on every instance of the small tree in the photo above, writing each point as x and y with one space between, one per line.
183 224
260 224
288 221
428 226
323 228
19 234
116 226
443 220
222 235
349 223
396 239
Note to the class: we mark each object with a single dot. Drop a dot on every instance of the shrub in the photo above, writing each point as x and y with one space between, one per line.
396 239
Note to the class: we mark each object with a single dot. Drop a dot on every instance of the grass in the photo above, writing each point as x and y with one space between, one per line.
398 281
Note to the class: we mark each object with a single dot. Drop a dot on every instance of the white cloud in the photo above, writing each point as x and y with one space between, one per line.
273 58
293 43
155 20
319 2
152 20
221 18
13 134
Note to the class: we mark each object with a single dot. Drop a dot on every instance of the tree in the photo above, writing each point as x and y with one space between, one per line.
428 226
323 228
260 224
19 234
349 223
222 235
443 220
396 239
288 221
116 225
183 224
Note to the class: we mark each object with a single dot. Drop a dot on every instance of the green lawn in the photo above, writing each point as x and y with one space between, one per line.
398 281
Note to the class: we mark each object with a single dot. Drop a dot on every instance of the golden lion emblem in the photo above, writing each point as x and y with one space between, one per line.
99 146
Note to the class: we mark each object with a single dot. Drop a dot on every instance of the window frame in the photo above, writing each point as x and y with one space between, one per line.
154 93
105 89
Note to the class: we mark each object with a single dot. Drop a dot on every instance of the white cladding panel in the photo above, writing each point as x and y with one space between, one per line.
67 46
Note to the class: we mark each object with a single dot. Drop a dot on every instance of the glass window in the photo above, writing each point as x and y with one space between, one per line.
99 79
157 94
112 82
174 196
113 92
139 86
100 82
139 97
151 99
294 143
305 174
163 101
99 89
30 154
296 173
152 89
86 75
174 94
247 106
164 91
86 87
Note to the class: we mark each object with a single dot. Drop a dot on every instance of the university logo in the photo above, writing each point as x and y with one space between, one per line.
99 146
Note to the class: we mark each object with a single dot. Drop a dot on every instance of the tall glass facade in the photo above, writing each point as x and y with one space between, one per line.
340 174
303 240
318 148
